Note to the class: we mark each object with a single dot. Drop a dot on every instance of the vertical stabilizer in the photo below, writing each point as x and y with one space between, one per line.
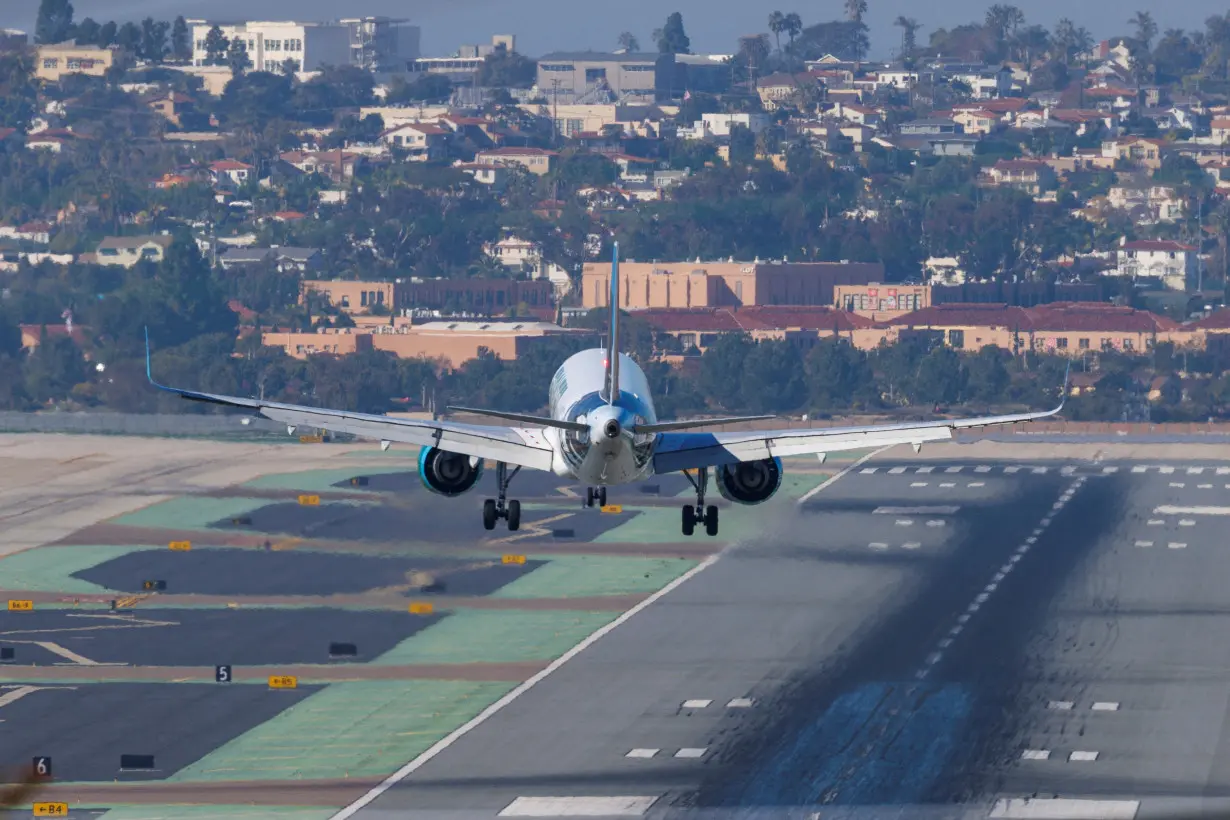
612 349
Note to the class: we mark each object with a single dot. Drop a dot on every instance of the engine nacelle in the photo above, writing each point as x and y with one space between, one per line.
749 482
448 473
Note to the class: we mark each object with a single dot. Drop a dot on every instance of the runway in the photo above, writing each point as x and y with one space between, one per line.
975 639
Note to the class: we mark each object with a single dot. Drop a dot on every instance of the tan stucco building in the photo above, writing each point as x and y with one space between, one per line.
54 61
723 284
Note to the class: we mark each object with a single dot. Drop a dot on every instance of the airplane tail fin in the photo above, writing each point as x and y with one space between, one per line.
612 351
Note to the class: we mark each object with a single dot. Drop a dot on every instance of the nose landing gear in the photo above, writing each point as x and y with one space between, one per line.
497 508
595 495
699 514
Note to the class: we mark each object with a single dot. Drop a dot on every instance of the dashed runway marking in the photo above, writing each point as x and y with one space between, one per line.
948 484
692 752
1176 545
1178 484
977 484
1156 522
952 469
740 703
935 523
919 484
1083 757
1186 522
642 753
1036 754
620 806
1105 706
1061 705
936 510
698 703
1204 486
1144 543
905 522
896 470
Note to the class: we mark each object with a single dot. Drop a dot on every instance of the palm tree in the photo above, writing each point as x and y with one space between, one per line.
1146 29
777 24
909 30
855 9
794 25
1003 20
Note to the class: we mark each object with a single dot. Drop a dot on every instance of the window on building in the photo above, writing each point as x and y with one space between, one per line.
345 301
627 67
556 67
595 75
380 297
1061 342
273 45
1127 344
51 62
1083 344
363 299
956 338
739 291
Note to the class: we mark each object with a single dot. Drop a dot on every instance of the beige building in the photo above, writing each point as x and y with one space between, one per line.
535 160
54 61
575 76
723 284
450 343
127 251
881 302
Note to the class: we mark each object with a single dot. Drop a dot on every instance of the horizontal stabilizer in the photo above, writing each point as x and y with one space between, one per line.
688 424
525 419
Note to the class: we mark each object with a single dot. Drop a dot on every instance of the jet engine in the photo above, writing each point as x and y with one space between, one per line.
749 482
448 473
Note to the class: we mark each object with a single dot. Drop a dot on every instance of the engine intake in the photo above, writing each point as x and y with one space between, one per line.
448 473
749 482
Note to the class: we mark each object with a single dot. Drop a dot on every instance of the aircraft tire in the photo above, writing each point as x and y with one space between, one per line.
689 520
514 515
489 514
711 520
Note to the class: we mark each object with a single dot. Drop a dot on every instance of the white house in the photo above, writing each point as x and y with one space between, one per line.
1150 203
711 126
420 141
1171 263
230 170
368 42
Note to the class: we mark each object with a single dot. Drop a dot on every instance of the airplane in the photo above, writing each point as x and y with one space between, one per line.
601 431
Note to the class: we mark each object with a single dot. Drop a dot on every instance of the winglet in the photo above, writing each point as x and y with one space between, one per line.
149 375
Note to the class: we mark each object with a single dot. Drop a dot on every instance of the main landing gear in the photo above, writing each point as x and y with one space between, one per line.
595 495
497 508
700 514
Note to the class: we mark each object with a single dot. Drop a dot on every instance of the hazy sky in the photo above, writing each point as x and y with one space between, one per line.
546 25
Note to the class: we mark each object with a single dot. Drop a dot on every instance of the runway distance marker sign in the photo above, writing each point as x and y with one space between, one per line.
283 682
180 546
21 606
514 559
309 500
612 508
421 609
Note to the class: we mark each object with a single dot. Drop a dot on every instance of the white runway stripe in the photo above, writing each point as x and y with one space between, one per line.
578 806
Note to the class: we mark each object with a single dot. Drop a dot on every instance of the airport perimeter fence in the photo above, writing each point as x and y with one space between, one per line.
145 424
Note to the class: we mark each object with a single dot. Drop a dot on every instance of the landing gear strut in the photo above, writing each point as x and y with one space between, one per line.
497 508
595 495
700 514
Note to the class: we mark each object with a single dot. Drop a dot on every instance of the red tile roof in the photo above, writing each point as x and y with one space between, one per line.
517 152
759 317
1055 317
230 165
1217 320
967 315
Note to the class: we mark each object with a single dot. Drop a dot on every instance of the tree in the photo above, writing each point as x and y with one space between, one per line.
777 24
1002 20
1146 28
237 57
181 40
18 92
129 37
506 69
671 37
154 39
55 21
909 34
87 32
628 41
216 46
841 38
107 34
855 9
742 145
794 25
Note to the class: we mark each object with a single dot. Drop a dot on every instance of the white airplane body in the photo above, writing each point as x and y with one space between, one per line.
603 431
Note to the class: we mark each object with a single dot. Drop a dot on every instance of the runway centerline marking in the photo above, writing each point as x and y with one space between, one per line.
936 510
1171 509
981 598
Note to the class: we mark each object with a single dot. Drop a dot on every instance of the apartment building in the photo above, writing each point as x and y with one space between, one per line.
126 251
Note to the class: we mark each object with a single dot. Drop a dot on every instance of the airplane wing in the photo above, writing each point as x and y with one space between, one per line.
514 445
685 451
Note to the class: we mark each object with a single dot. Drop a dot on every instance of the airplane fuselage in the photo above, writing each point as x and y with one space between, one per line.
609 452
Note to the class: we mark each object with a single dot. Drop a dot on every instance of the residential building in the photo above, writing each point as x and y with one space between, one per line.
478 296
985 83
51 62
301 260
1147 204
419 142
514 252
535 160
1172 264
494 174
337 165
591 76
781 89
52 139
278 45
1028 175
935 127
172 107
599 118
718 126
855 113
230 171
978 121
1135 150
723 284
1219 130
126 251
